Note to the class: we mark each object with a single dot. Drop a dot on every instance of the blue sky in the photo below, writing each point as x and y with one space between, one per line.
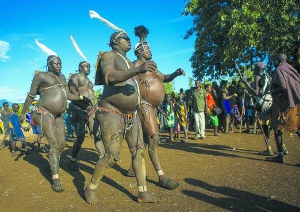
53 22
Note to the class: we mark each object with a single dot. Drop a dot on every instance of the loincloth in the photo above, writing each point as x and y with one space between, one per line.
126 123
42 111
77 113
287 120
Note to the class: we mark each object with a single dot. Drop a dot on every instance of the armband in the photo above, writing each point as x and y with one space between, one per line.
32 96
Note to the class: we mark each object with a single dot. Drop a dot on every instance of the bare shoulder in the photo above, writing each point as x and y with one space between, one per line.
108 55
73 76
38 75
62 79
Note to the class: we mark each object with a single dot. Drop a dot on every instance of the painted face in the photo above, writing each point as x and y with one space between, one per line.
85 68
147 52
143 50
55 65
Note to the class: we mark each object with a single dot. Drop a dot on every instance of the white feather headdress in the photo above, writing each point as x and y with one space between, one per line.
94 14
77 48
45 48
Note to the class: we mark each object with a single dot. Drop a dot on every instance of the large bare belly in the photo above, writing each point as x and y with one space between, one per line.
54 100
152 90
123 97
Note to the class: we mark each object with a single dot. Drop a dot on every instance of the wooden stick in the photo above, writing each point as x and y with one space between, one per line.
238 69
243 111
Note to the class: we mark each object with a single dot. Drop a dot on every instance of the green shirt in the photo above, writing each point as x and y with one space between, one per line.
199 100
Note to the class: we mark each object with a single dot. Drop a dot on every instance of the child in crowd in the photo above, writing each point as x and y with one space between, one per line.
16 133
5 114
181 117
169 110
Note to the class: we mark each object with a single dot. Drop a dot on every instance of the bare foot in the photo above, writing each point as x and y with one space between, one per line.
90 196
57 186
145 197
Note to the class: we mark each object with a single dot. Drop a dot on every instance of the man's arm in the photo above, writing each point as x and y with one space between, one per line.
170 77
111 65
73 84
35 85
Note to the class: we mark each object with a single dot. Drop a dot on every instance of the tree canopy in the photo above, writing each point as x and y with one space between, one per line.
246 31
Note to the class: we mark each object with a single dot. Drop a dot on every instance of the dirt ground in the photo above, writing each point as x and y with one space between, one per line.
223 173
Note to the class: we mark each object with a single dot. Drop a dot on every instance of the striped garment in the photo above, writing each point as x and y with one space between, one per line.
288 78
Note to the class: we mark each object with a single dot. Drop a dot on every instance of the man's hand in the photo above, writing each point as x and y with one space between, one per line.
84 98
180 71
148 66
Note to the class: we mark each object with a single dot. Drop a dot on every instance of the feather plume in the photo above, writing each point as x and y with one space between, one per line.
94 14
141 32
45 48
77 48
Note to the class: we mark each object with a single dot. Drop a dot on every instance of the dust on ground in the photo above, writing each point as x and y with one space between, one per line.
220 173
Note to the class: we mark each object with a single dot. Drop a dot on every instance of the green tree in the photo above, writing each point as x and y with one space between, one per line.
98 94
169 87
246 31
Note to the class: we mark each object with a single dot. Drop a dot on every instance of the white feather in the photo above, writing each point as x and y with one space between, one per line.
77 48
45 48
94 14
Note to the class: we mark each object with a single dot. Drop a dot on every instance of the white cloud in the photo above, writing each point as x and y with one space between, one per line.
12 95
177 19
4 47
182 51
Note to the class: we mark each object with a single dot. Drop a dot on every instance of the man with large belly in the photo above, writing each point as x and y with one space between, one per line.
52 88
117 114
82 113
152 95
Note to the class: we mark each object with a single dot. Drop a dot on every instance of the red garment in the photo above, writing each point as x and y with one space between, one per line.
210 101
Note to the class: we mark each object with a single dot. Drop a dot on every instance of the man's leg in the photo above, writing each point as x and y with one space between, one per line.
51 129
279 158
112 143
80 134
94 126
134 138
266 132
202 125
197 125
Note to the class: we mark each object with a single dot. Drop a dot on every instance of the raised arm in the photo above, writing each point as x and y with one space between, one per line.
170 77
